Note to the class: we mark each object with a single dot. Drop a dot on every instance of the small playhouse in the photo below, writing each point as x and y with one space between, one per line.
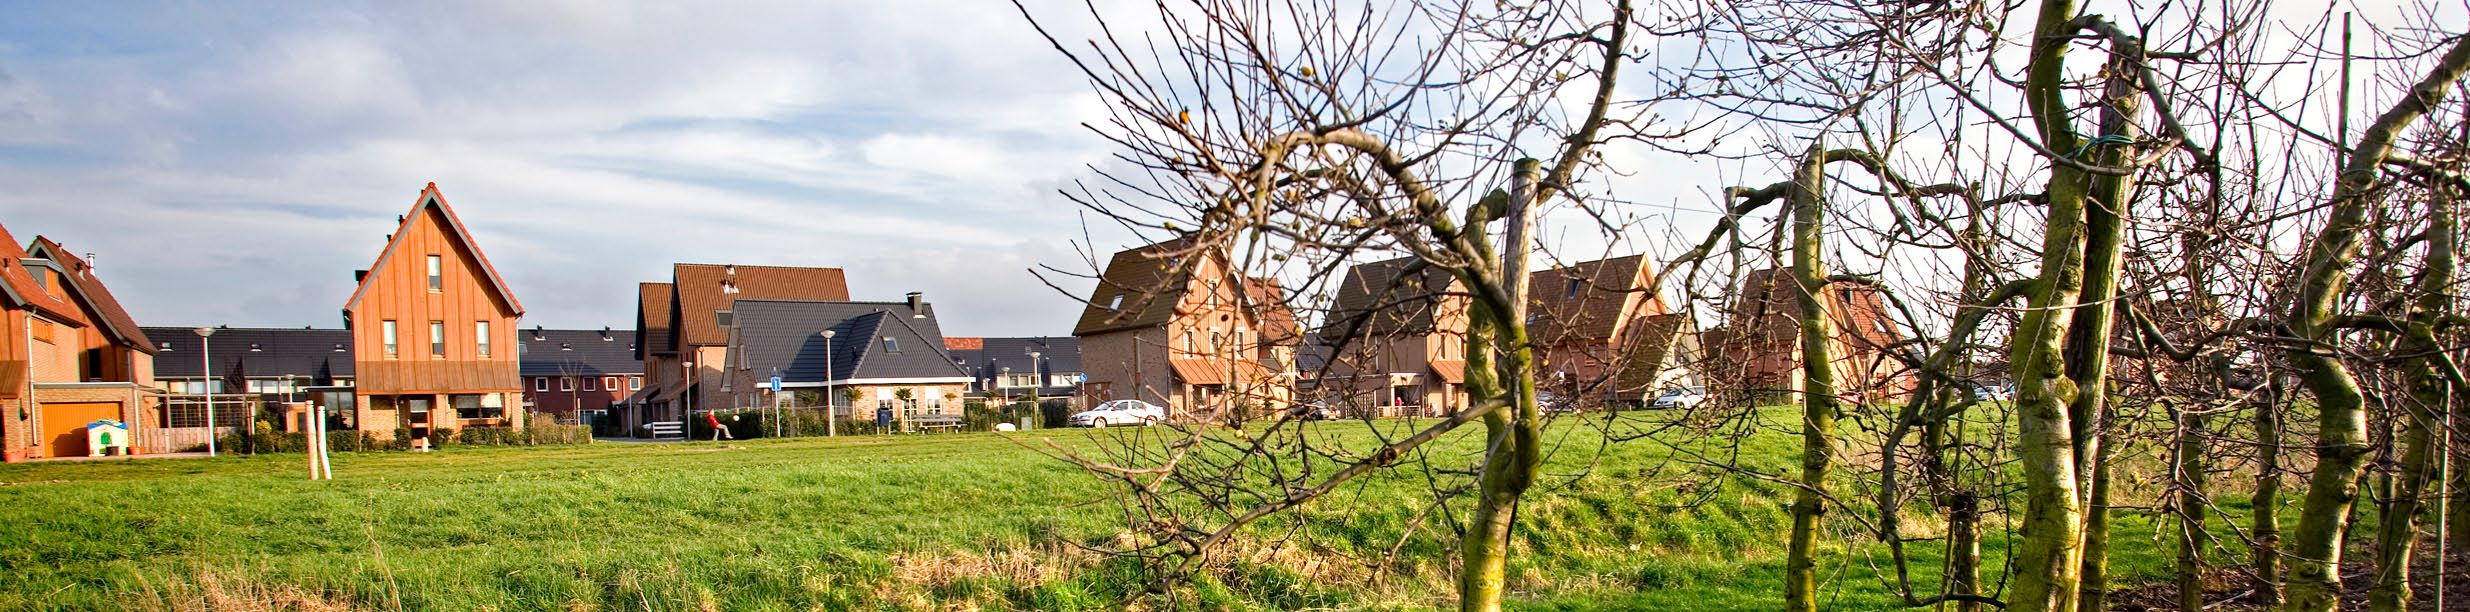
107 437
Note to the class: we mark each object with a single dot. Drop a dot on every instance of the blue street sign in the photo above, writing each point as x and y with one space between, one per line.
775 384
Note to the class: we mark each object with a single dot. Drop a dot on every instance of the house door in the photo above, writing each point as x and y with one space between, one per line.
416 416
64 425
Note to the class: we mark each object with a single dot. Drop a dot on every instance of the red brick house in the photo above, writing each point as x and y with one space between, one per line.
576 375
433 329
1758 351
1396 333
682 330
71 356
1173 324
1606 334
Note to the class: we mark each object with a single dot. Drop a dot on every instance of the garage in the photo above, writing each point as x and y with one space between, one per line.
64 425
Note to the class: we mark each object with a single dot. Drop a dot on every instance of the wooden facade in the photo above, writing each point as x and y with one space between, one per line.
433 330
71 355
1172 324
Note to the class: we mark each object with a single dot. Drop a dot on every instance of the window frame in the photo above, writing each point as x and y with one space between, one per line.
392 340
437 273
480 336
540 384
566 384
437 339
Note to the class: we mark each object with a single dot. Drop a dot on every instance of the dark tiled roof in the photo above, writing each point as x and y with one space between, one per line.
1147 279
82 280
703 289
788 335
322 354
1387 298
453 228
21 289
655 315
578 352
1590 301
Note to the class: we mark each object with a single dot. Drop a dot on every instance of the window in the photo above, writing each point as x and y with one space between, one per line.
609 383
540 383
588 384
1572 290
1117 304
723 317
566 383
634 383
480 333
891 345
1216 343
437 338
393 346
1190 346
476 406
437 274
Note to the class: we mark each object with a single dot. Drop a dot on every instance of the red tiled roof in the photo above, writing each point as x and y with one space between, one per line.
430 197
655 319
954 343
1267 302
115 319
21 286
703 289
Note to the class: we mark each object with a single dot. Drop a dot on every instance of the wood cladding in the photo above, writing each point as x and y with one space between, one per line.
397 288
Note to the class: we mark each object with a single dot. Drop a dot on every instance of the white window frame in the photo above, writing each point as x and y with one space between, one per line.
480 334
437 339
540 384
392 340
437 273
566 383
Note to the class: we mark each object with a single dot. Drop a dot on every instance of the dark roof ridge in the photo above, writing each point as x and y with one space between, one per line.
870 323
935 343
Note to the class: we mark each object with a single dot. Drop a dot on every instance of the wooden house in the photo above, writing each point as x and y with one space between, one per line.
433 330
1174 324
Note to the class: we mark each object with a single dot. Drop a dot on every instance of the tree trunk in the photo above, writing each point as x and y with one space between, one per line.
2095 592
2398 528
2187 465
2341 439
1818 388
2265 523
1513 435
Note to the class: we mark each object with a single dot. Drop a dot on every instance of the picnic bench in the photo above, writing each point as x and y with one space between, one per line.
666 429
922 423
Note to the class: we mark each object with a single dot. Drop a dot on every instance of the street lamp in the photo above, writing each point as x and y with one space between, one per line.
1036 379
831 416
205 371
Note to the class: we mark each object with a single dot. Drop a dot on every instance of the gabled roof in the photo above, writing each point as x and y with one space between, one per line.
1387 298
655 319
18 284
1148 280
577 352
429 199
788 335
321 354
82 282
1590 301
1266 301
702 289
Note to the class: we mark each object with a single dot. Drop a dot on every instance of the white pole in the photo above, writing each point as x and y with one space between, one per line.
205 356
831 416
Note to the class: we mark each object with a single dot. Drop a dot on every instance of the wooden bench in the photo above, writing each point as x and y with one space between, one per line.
930 421
666 429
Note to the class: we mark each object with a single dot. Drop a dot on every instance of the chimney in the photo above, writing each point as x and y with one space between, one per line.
359 275
917 305
89 264
731 269
604 333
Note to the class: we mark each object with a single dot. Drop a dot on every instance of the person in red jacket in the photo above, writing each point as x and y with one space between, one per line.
718 432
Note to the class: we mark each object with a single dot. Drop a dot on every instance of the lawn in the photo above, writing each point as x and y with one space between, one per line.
947 521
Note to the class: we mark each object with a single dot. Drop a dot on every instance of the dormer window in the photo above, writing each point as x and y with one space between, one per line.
891 345
254 348
723 317
1574 286
1117 304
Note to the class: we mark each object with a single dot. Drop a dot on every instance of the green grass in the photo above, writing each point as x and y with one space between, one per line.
899 522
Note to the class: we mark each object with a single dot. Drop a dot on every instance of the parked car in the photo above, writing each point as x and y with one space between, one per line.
1119 412
1680 397
1316 411
1555 403
1993 392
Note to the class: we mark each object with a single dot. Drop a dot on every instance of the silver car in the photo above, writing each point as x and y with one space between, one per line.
1119 412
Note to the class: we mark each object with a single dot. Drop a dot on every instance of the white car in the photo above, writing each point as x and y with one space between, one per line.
1119 412
1680 397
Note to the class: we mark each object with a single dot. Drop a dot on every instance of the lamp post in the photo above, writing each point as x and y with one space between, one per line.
831 416
205 371
1036 379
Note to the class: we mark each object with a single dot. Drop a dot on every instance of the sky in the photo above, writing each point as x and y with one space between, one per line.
233 163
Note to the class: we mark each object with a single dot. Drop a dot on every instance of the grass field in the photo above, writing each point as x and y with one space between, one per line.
955 521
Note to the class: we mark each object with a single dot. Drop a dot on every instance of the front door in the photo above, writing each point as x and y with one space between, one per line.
416 416
64 425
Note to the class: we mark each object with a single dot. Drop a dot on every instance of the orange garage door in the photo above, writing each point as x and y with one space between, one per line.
65 425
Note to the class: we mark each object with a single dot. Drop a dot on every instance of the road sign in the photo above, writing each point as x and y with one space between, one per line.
775 384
